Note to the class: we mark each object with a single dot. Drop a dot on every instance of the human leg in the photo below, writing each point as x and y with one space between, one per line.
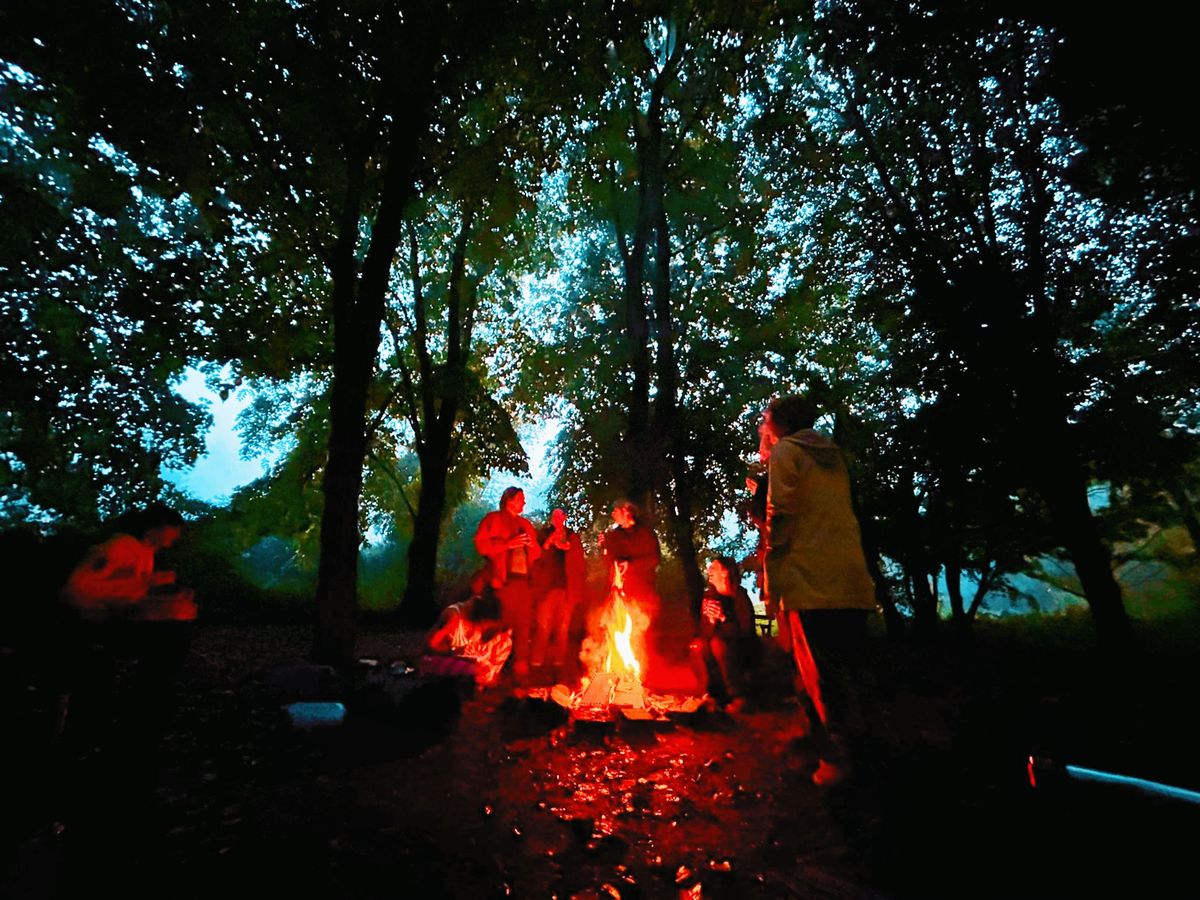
550 636
561 643
835 641
516 614
698 658
727 657
808 677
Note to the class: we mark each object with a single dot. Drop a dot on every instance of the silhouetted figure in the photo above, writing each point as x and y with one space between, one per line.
127 608
127 632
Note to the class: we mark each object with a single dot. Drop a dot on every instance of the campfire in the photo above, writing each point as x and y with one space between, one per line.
614 661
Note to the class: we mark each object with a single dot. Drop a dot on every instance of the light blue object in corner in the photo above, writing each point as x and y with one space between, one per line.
307 716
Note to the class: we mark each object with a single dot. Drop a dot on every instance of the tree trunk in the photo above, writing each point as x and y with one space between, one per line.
637 337
892 618
358 316
1187 511
924 601
1062 482
981 589
1066 496
337 577
418 608
671 437
958 610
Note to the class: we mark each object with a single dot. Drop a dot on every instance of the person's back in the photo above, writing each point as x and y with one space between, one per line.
815 558
817 573
115 574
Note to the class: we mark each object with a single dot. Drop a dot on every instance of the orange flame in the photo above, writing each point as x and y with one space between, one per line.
622 643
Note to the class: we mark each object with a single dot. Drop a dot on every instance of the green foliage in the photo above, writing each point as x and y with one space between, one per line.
101 287
905 211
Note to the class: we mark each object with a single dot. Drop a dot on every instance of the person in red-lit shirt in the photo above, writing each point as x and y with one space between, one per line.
508 542
631 547
125 608
118 580
558 581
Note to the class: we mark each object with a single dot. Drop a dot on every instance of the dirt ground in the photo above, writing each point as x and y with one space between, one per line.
452 793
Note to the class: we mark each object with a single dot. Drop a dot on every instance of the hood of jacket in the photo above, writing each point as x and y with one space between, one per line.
820 447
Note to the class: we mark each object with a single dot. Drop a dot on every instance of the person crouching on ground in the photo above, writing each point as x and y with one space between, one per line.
469 631
118 580
123 607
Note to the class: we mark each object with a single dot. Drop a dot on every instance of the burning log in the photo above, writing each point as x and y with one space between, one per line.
613 684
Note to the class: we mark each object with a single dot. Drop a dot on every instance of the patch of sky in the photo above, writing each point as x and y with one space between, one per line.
536 438
221 470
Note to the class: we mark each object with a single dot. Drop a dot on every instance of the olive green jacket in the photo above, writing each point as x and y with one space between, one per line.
814 547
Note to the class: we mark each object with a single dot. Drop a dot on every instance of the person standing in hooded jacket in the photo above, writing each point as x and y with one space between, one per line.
816 572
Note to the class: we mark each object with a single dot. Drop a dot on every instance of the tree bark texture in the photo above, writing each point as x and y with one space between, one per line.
358 299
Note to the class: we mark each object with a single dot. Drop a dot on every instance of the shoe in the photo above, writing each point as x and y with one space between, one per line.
829 774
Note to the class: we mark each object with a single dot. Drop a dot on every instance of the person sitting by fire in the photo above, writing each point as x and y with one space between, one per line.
469 631
123 607
722 650
508 543
558 581
117 579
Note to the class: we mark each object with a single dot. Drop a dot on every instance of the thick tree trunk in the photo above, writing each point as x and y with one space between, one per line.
1066 496
1060 478
672 438
638 454
337 578
358 316
418 608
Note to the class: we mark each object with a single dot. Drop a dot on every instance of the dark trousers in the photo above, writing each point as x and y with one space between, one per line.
551 639
828 646
717 661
